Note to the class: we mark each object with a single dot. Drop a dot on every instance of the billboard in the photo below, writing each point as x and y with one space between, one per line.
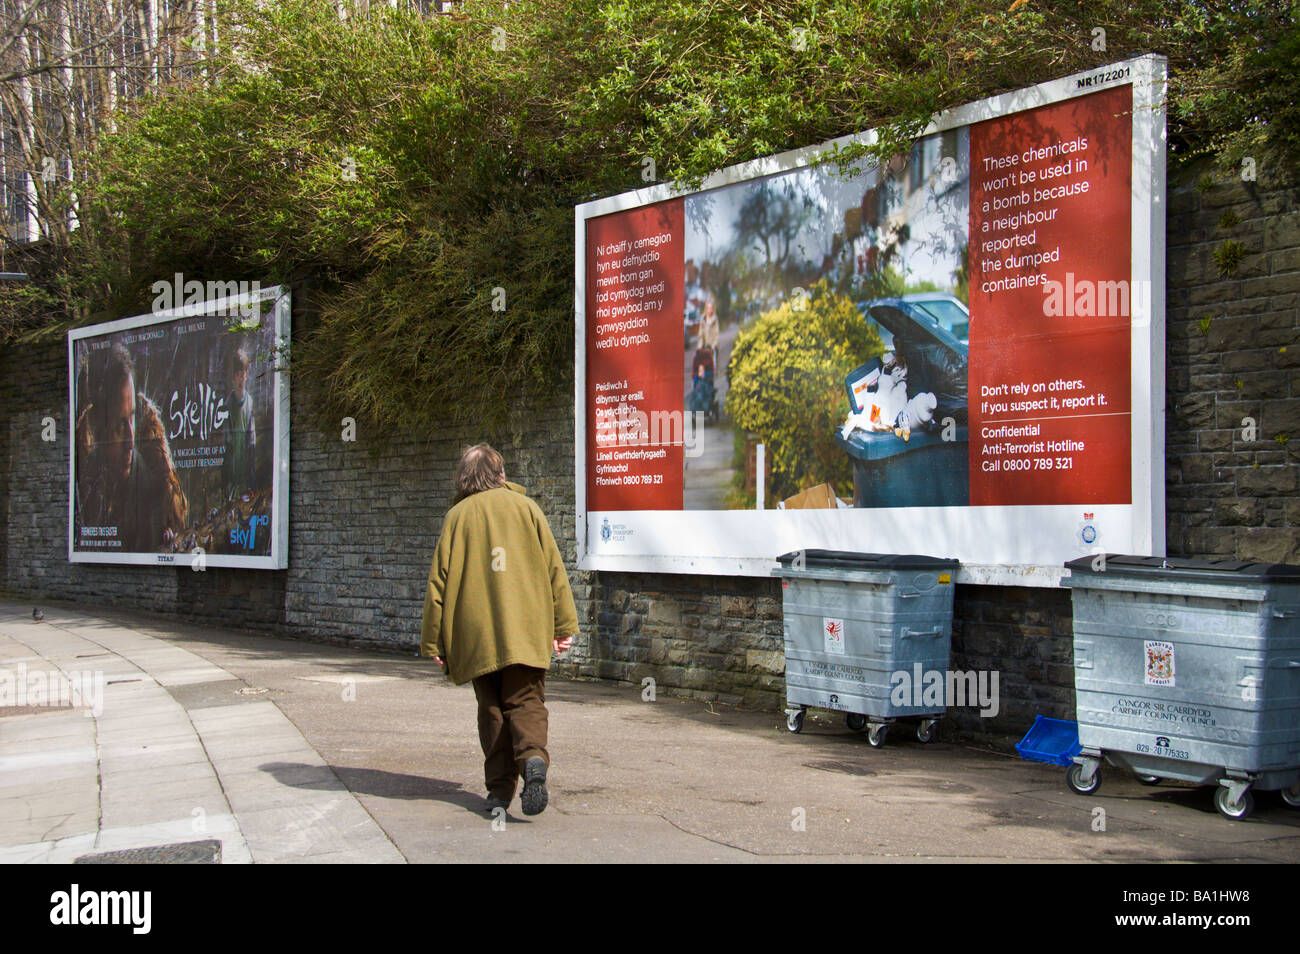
180 449
955 352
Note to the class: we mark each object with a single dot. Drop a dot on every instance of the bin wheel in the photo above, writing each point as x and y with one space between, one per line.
1074 779
1147 779
855 721
876 735
1234 810
1292 796
794 721
925 731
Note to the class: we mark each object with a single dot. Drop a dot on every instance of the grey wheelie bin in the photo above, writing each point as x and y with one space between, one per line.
1188 670
853 621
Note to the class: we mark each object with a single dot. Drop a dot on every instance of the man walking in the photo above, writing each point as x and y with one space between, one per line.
497 604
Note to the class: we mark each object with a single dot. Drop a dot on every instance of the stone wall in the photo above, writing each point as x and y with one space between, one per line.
1233 372
365 517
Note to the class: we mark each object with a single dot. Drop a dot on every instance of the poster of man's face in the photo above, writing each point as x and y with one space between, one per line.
173 451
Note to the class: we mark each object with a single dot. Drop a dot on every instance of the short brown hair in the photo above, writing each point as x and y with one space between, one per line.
480 468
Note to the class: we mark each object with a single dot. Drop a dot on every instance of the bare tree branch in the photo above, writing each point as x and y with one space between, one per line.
65 60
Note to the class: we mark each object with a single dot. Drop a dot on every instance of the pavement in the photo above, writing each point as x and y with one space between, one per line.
215 745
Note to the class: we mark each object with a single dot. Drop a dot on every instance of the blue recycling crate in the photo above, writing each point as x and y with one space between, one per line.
1050 740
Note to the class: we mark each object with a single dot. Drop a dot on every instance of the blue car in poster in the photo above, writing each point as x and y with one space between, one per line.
947 311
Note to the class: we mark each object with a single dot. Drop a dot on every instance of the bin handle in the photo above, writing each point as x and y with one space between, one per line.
1282 614
937 631
908 596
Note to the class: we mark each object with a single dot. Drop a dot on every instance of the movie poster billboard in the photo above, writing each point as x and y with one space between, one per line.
956 352
180 449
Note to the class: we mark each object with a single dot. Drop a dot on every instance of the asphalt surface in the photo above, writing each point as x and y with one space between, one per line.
669 780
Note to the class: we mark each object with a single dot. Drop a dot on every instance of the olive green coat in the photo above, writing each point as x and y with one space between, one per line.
498 593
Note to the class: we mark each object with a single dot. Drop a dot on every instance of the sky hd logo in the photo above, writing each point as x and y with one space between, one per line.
247 538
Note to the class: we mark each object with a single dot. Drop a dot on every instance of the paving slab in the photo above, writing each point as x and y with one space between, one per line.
170 760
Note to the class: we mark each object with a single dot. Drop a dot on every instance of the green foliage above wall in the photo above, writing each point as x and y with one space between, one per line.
405 168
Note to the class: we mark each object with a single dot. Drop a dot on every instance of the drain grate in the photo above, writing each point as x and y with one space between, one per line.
182 853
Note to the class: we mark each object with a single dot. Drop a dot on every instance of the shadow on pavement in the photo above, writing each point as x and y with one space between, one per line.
363 781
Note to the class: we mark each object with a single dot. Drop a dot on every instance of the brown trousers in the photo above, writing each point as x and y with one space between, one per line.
511 724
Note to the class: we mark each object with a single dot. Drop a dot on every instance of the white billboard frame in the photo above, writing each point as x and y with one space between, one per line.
278 559
797 529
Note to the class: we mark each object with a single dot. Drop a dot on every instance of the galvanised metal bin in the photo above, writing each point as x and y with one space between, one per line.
853 620
1189 670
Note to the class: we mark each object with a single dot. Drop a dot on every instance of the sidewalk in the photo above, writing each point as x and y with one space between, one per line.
178 756
215 742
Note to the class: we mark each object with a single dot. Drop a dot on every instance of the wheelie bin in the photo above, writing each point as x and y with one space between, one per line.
1189 670
853 622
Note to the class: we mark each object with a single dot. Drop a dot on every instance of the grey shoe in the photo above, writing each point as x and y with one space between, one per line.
494 802
534 796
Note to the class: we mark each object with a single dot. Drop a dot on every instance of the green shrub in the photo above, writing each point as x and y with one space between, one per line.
786 384
400 167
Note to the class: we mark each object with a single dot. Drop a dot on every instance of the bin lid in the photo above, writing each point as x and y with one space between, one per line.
1181 568
850 560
